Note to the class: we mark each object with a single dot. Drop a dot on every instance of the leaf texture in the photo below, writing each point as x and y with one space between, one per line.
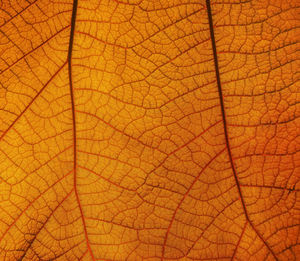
149 130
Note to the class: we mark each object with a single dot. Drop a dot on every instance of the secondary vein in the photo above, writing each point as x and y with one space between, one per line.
71 40
212 35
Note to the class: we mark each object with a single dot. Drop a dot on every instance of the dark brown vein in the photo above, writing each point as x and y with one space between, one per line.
73 21
212 35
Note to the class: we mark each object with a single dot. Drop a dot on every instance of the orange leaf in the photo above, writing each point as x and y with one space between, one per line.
149 130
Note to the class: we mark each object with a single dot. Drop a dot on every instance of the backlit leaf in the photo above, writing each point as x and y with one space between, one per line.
149 130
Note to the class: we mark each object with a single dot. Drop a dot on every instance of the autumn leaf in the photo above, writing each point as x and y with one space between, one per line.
149 130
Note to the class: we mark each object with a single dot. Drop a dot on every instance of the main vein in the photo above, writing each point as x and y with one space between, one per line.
71 40
212 35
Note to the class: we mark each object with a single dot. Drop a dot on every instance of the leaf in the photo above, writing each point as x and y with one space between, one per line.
149 130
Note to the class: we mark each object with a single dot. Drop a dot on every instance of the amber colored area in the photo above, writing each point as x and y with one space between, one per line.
149 130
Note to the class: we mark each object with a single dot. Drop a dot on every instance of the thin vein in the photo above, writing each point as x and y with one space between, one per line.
31 102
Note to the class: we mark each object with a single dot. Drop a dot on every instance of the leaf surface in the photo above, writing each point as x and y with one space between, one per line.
149 130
